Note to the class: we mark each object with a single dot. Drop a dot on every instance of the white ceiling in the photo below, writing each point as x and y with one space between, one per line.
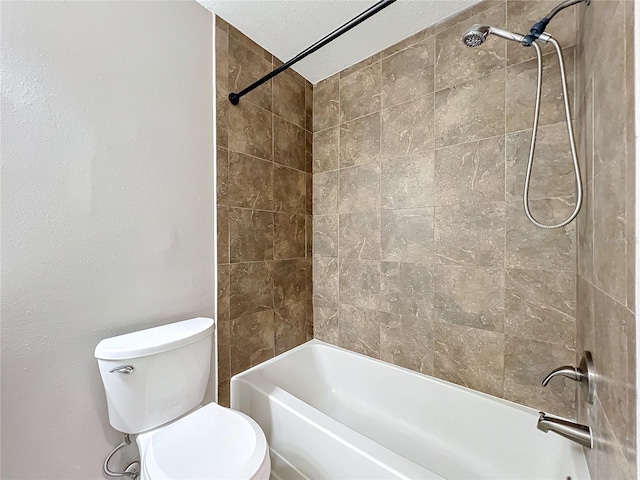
286 27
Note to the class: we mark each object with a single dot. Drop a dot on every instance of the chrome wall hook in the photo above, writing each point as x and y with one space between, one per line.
585 373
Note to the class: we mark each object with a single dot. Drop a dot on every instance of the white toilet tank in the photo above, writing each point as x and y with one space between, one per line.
153 376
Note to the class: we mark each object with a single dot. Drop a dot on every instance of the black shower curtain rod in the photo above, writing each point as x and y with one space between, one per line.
234 98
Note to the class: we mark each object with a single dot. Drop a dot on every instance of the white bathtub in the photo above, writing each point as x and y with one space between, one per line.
331 413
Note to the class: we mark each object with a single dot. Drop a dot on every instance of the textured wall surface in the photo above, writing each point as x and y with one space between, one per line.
107 209
264 207
606 240
423 256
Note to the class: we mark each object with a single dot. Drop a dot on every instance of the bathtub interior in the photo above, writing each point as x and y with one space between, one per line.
452 431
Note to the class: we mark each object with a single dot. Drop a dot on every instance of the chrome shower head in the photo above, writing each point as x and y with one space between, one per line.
477 34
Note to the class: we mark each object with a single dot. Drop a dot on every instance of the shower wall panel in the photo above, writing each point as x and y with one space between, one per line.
606 238
422 254
264 207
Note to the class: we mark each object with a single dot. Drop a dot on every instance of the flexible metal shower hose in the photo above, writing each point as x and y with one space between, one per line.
572 141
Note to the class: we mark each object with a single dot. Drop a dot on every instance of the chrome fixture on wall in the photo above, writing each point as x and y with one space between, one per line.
573 431
585 374
477 35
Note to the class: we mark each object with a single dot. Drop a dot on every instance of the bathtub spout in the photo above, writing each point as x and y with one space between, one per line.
573 431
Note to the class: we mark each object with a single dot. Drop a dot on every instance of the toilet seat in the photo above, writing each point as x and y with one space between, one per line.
210 443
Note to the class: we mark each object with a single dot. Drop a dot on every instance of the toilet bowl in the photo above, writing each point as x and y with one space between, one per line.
213 442
155 381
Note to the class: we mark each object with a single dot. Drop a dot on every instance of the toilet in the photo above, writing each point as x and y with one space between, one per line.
155 382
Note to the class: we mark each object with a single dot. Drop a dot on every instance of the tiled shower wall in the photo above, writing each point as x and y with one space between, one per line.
264 207
422 254
606 241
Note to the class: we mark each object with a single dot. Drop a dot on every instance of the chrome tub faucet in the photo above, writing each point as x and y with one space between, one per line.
573 431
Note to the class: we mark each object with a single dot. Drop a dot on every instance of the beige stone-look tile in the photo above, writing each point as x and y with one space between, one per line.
224 393
288 236
521 88
245 67
526 363
308 107
248 43
289 144
631 226
360 283
610 459
359 330
471 172
531 247
610 105
222 59
612 326
223 234
326 280
470 234
326 105
325 235
288 100
251 288
362 64
419 37
289 282
470 111
464 15
326 150
289 71
325 193
552 174
325 322
408 74
407 235
222 117
408 128
585 316
407 289
251 235
407 342
308 227
250 182
470 296
359 188
289 327
360 93
252 340
223 299
289 190
222 176
360 235
541 305
309 152
250 130
221 24
585 231
457 63
522 15
224 350
469 357
360 141
609 232
408 181
308 194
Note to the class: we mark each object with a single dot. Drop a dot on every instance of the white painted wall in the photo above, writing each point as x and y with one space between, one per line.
286 27
107 208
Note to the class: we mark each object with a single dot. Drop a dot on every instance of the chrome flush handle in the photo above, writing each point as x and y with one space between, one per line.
126 369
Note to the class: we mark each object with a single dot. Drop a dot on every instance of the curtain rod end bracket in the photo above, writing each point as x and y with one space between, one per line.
234 98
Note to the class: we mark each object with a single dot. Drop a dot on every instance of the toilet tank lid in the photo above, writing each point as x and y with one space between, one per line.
154 340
